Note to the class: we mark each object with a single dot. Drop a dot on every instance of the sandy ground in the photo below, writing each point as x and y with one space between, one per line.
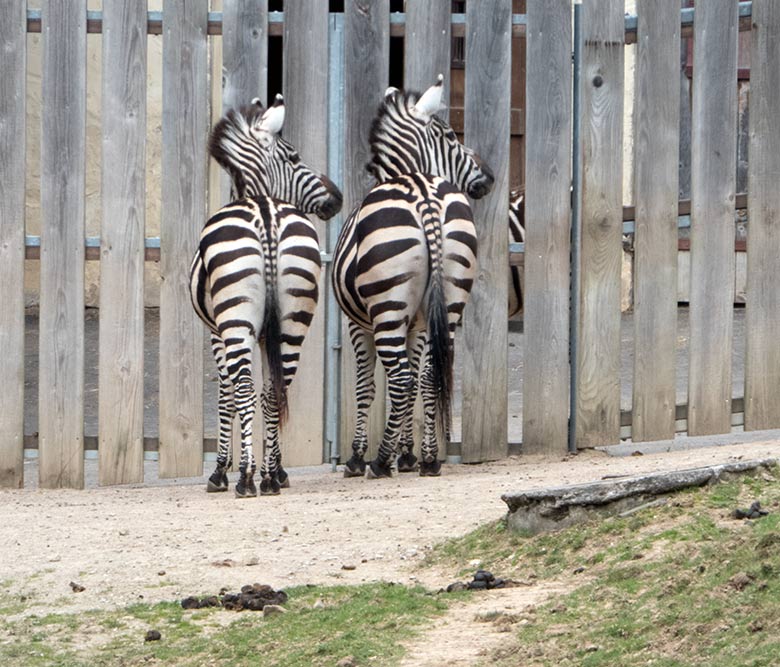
167 540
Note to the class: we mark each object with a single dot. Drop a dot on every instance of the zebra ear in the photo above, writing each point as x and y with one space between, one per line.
273 119
431 100
390 93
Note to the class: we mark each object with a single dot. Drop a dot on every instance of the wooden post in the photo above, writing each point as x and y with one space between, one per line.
548 220
306 104
366 65
598 393
762 359
63 142
245 68
185 128
487 112
712 216
13 46
656 151
121 366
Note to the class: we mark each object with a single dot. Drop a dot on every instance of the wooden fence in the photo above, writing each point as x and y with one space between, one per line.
335 72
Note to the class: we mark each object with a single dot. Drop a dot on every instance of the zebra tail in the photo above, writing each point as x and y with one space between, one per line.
441 351
272 333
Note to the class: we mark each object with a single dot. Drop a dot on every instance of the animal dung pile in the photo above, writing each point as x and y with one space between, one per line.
482 581
752 512
253 597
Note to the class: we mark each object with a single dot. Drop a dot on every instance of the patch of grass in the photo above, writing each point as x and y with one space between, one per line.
367 622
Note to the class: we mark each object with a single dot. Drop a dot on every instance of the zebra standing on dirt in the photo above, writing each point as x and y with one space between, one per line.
254 278
404 265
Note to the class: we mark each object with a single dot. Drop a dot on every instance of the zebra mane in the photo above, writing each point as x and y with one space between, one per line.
230 142
394 111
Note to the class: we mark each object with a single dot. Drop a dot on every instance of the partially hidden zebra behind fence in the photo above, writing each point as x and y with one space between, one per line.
516 235
254 278
404 265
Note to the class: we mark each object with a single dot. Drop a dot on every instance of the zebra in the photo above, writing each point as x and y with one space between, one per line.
403 268
254 277
516 235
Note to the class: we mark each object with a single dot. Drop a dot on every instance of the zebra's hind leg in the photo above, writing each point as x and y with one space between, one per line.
365 391
407 461
270 484
218 481
430 466
246 403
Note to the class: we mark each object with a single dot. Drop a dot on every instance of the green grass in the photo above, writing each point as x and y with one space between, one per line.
367 622
656 586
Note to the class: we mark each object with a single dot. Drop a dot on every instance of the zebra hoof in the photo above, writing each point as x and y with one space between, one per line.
245 487
432 469
355 467
218 482
270 486
284 478
376 471
407 462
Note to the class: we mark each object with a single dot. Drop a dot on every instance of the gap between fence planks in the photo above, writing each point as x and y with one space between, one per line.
366 66
713 183
487 104
61 343
656 147
547 243
121 357
762 360
12 185
184 175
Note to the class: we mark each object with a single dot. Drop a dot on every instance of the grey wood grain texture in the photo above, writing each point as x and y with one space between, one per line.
427 45
598 376
306 126
548 225
61 348
487 113
244 52
656 154
13 18
714 125
762 358
121 367
184 174
366 66
244 77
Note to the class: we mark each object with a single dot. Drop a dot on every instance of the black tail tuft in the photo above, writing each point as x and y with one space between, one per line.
272 332
441 354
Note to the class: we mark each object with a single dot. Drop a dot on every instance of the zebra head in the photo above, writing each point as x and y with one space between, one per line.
407 136
247 143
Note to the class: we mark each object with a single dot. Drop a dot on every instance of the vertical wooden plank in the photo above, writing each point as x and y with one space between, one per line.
427 45
121 367
245 76
548 221
487 111
185 128
656 152
63 141
13 18
598 390
366 67
306 102
762 354
713 176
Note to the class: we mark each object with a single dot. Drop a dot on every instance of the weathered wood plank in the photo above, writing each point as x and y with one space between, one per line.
713 176
61 350
366 65
656 153
12 147
548 222
185 128
245 76
306 103
598 356
121 367
487 103
762 357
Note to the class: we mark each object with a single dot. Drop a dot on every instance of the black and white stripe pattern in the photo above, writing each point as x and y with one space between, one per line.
254 278
516 235
403 269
